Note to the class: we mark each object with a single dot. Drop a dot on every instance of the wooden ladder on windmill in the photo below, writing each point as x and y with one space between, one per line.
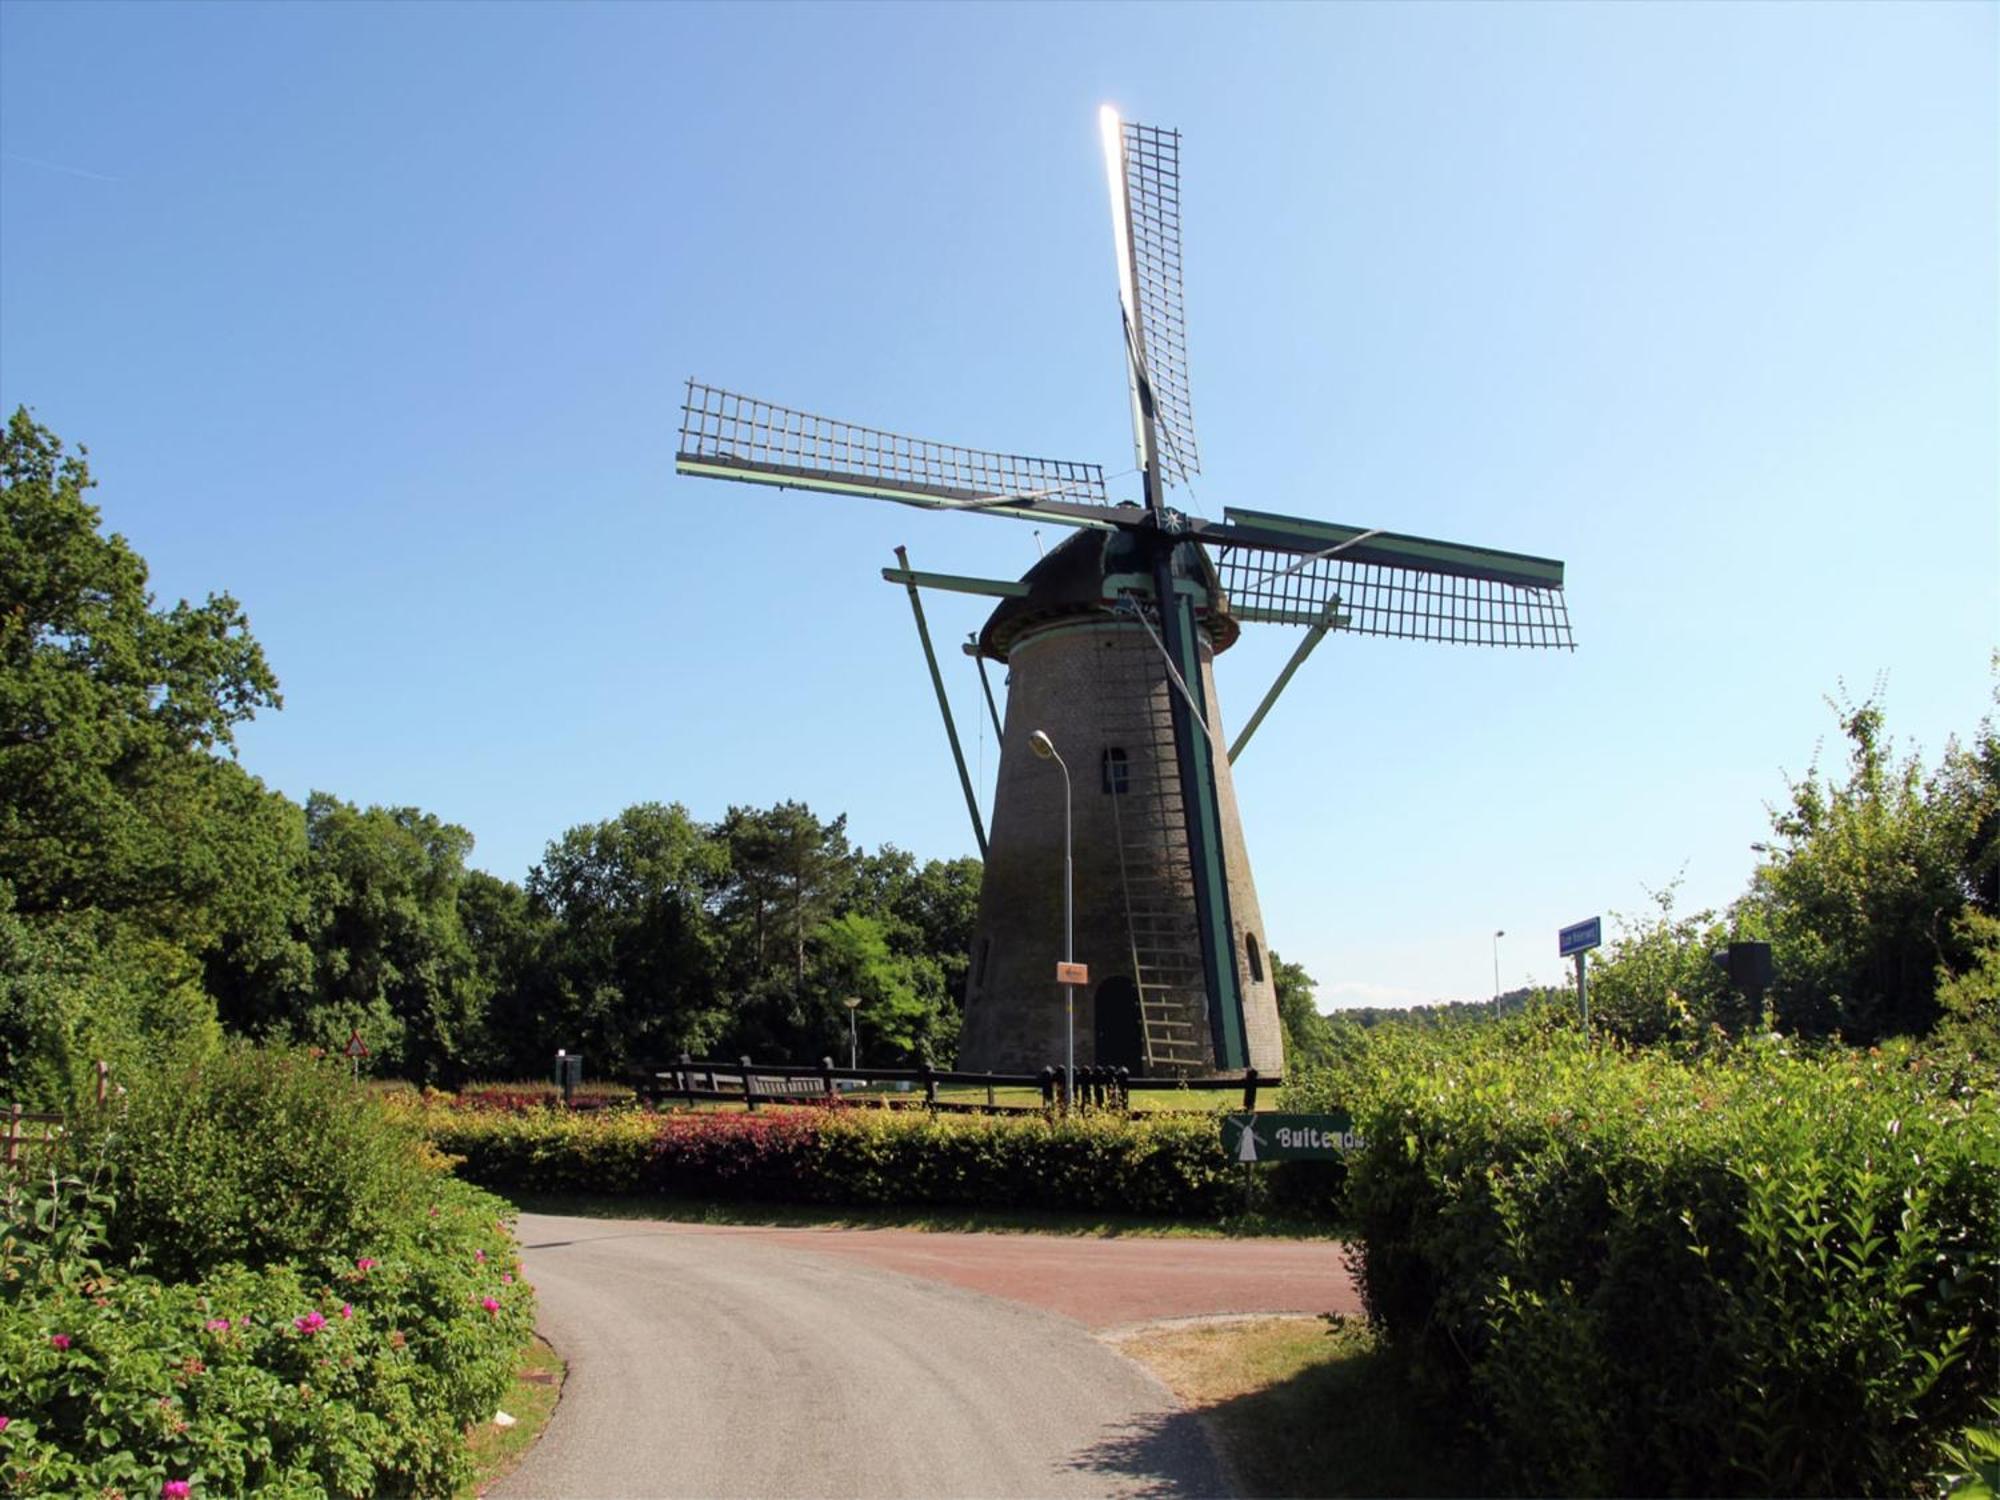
1137 751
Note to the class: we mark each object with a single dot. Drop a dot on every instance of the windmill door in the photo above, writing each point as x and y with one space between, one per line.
1118 1039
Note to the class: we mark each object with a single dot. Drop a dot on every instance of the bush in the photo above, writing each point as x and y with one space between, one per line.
333 1333
1765 1272
1167 1166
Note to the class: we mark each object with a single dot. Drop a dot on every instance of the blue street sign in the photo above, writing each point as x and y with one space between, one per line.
1579 936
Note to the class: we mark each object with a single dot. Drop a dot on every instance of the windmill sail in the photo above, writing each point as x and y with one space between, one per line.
727 436
1144 163
1287 570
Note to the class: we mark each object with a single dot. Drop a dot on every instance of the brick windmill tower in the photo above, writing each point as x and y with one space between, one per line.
1109 644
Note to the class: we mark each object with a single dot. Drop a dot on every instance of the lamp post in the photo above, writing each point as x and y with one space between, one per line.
1498 933
1045 747
853 1003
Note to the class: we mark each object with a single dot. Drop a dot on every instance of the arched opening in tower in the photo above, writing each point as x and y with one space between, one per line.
1116 1025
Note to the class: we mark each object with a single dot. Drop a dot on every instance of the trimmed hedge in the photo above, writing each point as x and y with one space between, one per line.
254 1321
1759 1273
1156 1166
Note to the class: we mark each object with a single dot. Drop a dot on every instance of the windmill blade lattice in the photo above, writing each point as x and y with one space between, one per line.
1373 598
1153 191
728 436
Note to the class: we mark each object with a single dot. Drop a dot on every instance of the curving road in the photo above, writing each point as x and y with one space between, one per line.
798 1363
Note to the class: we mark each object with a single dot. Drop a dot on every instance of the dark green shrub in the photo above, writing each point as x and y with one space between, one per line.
1760 1273
255 1155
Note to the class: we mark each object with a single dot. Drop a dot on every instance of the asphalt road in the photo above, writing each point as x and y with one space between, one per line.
743 1365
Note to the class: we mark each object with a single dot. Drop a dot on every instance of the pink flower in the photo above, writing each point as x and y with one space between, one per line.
506 1278
347 1309
366 1263
3 1423
217 1325
489 1304
480 1256
312 1322
59 1342
174 1489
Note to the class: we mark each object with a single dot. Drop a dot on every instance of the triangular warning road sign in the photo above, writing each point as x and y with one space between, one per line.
355 1046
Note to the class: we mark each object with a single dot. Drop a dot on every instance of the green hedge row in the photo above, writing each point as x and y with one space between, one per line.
1760 1273
250 1280
1095 1163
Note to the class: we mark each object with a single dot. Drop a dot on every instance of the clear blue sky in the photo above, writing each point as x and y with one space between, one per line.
378 317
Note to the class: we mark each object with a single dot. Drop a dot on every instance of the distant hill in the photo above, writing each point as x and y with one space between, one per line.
1441 1012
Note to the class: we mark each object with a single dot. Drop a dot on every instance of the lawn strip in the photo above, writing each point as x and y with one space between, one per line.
530 1401
1304 1407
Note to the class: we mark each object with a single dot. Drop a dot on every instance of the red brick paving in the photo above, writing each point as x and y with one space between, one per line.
1101 1283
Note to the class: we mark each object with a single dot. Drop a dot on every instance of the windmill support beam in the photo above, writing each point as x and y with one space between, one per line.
1329 618
955 583
944 703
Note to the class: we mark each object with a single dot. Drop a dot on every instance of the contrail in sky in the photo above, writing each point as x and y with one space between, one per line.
52 166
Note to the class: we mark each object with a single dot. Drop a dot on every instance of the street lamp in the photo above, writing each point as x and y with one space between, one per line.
1498 934
853 1003
1045 747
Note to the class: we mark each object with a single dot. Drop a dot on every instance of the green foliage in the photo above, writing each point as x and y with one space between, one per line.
1753 1272
1309 1041
332 1333
110 711
1864 896
196 1150
627 972
1657 979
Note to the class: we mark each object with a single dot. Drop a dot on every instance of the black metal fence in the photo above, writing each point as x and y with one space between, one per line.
752 1084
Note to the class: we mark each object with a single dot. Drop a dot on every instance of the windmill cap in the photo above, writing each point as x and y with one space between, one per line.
1075 581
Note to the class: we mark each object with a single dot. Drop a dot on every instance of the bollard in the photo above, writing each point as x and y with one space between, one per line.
929 1076
1123 1084
749 1086
1048 1088
826 1075
686 1078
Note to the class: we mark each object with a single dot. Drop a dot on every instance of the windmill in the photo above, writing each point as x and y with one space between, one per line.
1109 643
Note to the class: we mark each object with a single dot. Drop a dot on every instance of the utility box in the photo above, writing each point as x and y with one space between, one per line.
1748 966
569 1073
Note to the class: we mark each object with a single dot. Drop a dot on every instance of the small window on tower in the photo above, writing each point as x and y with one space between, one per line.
1256 958
1117 773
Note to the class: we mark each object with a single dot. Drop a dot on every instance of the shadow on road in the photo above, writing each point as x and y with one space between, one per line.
1167 1454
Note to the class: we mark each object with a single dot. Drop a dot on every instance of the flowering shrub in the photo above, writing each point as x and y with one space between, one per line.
1751 1272
348 1369
858 1157
517 1098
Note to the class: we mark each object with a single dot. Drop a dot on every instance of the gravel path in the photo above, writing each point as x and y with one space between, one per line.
764 1363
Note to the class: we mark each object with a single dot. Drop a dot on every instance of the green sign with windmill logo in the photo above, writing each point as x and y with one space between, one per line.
1274 1137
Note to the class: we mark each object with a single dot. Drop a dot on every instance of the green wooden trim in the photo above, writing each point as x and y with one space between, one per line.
953 583
1540 571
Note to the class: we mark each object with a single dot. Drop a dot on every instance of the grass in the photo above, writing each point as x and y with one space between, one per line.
1306 1407
936 1220
531 1401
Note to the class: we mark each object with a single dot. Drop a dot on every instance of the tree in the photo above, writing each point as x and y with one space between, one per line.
112 712
1308 1034
1863 898
628 968
788 872
389 956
